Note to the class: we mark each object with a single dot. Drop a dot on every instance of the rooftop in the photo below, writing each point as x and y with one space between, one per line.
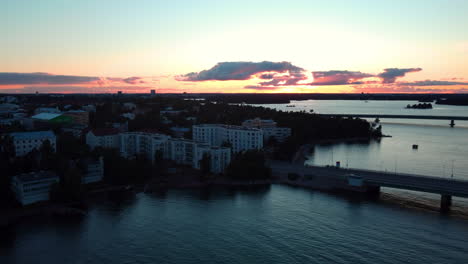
35 176
228 127
46 116
32 135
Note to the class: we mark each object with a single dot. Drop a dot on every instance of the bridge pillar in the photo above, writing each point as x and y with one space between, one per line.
445 203
373 191
452 123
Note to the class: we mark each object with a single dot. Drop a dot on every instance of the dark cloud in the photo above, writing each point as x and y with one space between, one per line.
267 76
262 88
391 74
134 80
433 83
339 77
74 89
240 70
13 78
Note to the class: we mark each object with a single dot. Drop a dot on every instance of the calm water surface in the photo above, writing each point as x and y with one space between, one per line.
278 224
441 147
273 225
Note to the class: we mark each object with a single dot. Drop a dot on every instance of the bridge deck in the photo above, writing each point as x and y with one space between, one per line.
438 185
399 116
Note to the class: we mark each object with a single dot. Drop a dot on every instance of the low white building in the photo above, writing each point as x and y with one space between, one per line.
105 138
51 110
33 187
259 123
94 171
279 133
269 129
240 138
25 142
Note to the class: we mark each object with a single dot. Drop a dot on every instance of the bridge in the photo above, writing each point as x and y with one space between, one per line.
451 118
370 181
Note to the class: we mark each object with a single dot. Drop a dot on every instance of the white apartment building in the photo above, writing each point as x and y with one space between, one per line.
25 142
105 138
240 138
279 133
146 143
259 123
33 187
269 129
220 157
182 151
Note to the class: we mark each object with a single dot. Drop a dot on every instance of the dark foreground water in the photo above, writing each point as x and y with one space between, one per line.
278 224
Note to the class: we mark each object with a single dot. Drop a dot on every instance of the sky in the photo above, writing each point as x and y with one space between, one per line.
310 46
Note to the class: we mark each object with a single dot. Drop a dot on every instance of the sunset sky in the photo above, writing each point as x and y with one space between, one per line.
331 46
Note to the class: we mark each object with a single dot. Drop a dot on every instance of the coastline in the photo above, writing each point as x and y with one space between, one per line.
50 209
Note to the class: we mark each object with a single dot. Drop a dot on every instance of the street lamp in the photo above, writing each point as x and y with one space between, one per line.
453 161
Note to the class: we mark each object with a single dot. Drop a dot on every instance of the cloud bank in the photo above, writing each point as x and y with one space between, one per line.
240 70
391 74
13 78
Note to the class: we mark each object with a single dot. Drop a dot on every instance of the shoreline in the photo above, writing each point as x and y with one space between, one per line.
70 210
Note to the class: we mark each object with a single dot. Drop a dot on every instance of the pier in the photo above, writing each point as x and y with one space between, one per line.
370 181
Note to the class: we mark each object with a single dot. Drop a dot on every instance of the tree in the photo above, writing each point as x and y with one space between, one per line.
249 165
205 164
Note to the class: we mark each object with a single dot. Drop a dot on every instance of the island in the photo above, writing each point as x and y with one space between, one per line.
419 106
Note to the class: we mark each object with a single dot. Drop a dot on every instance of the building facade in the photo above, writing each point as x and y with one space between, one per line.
238 137
179 150
25 142
105 138
220 157
143 143
33 187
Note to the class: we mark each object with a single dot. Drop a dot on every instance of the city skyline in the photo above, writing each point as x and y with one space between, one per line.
261 46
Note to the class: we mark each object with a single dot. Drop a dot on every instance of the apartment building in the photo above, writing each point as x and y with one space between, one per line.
269 128
239 138
25 142
33 187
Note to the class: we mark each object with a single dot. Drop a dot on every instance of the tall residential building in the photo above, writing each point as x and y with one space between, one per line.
146 143
179 150
240 138
33 187
220 157
269 129
25 142
105 138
